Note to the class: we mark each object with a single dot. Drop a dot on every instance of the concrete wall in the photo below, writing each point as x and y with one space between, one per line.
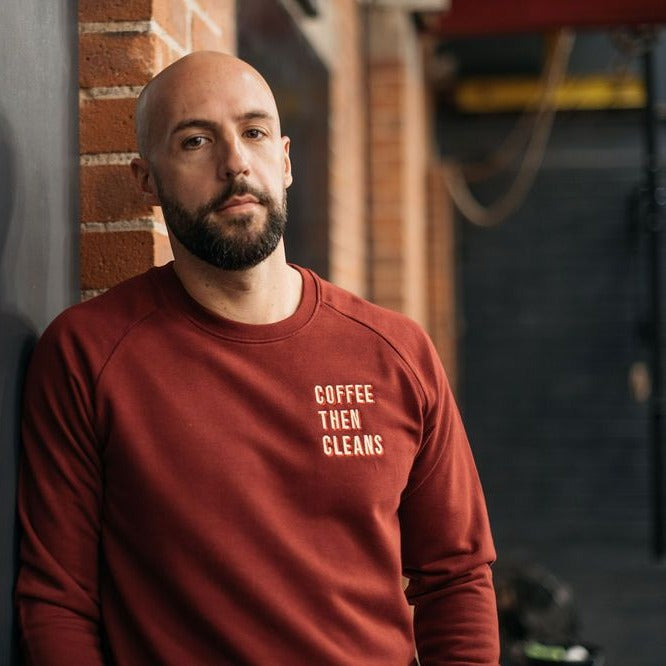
38 238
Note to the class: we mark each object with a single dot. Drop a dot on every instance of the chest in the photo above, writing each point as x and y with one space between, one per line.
232 426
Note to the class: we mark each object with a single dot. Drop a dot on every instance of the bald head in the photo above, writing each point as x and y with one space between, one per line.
190 80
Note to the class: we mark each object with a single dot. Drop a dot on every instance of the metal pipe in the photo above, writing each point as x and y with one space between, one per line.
654 229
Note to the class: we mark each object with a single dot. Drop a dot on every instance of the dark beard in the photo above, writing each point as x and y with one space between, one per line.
230 245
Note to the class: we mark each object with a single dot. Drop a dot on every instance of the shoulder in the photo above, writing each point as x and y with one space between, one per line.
395 327
88 332
403 335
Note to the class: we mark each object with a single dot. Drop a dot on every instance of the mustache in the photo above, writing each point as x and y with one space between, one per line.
233 189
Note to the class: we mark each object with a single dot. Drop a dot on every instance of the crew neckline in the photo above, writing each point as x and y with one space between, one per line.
178 297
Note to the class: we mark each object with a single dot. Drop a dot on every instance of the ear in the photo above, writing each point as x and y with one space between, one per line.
141 172
288 179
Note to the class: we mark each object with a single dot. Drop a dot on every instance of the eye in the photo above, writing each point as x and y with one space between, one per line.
194 142
254 133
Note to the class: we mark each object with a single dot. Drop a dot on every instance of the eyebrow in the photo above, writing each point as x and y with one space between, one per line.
202 123
193 122
255 115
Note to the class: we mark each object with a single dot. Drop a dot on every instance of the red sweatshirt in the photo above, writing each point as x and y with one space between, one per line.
199 491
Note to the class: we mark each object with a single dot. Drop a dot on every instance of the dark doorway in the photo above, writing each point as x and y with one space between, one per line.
270 41
552 302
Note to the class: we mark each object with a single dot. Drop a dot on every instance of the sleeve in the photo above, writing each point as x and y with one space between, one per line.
447 546
60 491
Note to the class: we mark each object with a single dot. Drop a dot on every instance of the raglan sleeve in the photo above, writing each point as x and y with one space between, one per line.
447 546
59 500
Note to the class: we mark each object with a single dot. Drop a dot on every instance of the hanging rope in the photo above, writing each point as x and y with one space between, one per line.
458 176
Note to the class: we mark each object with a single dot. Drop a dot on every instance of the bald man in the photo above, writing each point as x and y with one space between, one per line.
229 460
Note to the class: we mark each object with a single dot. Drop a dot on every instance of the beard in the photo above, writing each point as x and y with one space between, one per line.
231 244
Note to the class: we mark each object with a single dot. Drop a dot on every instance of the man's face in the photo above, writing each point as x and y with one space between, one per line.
217 162
233 245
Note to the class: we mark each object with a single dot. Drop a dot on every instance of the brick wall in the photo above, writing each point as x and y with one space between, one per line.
348 169
441 266
121 46
398 164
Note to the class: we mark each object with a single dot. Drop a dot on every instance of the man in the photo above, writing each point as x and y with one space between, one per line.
231 461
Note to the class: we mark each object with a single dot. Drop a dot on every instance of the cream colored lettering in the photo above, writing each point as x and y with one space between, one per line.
358 446
348 446
340 419
344 394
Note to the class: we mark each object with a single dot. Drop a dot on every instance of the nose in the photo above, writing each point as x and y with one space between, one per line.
233 160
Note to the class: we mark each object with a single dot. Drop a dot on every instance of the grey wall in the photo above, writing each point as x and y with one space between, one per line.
38 222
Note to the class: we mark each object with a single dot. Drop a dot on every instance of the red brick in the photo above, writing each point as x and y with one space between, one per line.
384 82
229 38
441 270
117 59
107 126
385 120
389 227
162 253
387 187
387 250
384 209
391 242
204 39
383 139
387 156
110 193
389 197
222 13
172 16
164 55
387 70
348 156
111 257
388 98
101 11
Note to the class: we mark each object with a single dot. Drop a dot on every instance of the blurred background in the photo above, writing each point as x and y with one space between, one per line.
491 168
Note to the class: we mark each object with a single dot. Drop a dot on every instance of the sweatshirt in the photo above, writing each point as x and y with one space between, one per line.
195 490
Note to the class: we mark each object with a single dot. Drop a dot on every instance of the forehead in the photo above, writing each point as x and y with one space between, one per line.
215 94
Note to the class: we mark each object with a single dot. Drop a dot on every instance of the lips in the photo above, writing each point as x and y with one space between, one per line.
235 201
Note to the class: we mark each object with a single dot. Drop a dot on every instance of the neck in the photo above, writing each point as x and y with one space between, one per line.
264 294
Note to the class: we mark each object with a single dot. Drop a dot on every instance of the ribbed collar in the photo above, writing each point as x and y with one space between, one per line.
179 300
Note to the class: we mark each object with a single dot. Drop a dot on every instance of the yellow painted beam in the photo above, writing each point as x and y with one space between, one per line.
588 93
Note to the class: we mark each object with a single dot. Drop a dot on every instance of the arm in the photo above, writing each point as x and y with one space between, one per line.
60 491
447 545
